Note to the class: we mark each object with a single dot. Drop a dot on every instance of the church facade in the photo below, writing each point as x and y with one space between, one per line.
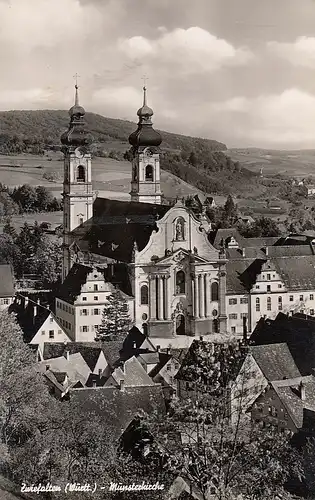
159 255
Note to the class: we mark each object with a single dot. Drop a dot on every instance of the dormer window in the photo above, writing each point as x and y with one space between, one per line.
80 174
149 173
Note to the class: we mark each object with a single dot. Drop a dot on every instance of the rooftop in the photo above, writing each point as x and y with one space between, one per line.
119 407
275 361
117 226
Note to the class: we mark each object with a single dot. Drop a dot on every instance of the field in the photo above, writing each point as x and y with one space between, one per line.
111 178
296 164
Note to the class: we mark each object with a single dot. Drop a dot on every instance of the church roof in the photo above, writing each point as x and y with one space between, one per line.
117 226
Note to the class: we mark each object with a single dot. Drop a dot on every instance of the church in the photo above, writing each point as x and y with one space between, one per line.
158 255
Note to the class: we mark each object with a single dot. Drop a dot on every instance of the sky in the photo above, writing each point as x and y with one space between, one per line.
238 71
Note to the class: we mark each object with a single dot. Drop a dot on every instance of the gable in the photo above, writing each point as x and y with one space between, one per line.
178 229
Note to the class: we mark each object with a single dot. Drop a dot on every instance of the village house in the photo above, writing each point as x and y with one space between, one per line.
38 323
263 364
283 404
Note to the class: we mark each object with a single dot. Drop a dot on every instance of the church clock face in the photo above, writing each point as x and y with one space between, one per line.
78 153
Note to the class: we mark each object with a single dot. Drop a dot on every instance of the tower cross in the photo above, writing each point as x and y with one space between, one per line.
76 76
145 78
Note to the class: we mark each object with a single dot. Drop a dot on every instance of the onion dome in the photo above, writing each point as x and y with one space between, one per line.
76 135
145 135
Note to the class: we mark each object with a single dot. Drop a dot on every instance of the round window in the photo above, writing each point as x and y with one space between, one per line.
144 316
214 312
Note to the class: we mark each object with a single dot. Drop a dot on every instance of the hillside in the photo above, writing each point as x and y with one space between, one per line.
199 162
299 163
21 129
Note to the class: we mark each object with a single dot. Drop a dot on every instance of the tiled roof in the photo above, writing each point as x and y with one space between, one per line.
149 358
132 373
289 393
245 253
6 281
76 368
90 351
117 225
296 331
163 359
119 407
77 277
289 250
297 272
241 274
275 361
224 234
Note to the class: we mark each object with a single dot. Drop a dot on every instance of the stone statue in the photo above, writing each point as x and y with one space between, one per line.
179 234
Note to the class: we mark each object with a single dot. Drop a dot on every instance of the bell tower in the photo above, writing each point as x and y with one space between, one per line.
145 142
77 184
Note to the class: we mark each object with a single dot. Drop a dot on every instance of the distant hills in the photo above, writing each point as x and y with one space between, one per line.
46 126
203 163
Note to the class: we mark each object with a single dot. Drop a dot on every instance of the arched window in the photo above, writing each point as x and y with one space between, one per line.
180 282
144 295
214 291
149 173
179 229
180 325
80 174
280 303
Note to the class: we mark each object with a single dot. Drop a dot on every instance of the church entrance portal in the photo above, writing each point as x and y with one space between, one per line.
180 325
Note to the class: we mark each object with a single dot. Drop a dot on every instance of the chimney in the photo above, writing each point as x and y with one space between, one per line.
243 252
267 251
167 350
35 311
100 371
302 391
66 381
122 385
201 338
26 302
67 355
38 301
158 348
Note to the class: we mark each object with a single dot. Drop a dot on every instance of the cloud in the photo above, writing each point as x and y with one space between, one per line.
301 52
189 50
275 120
45 23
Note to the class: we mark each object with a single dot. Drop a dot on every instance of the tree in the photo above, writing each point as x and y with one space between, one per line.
230 210
9 229
209 440
43 198
26 197
261 227
116 320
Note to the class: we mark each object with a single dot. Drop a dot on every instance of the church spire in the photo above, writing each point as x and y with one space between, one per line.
145 135
76 135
